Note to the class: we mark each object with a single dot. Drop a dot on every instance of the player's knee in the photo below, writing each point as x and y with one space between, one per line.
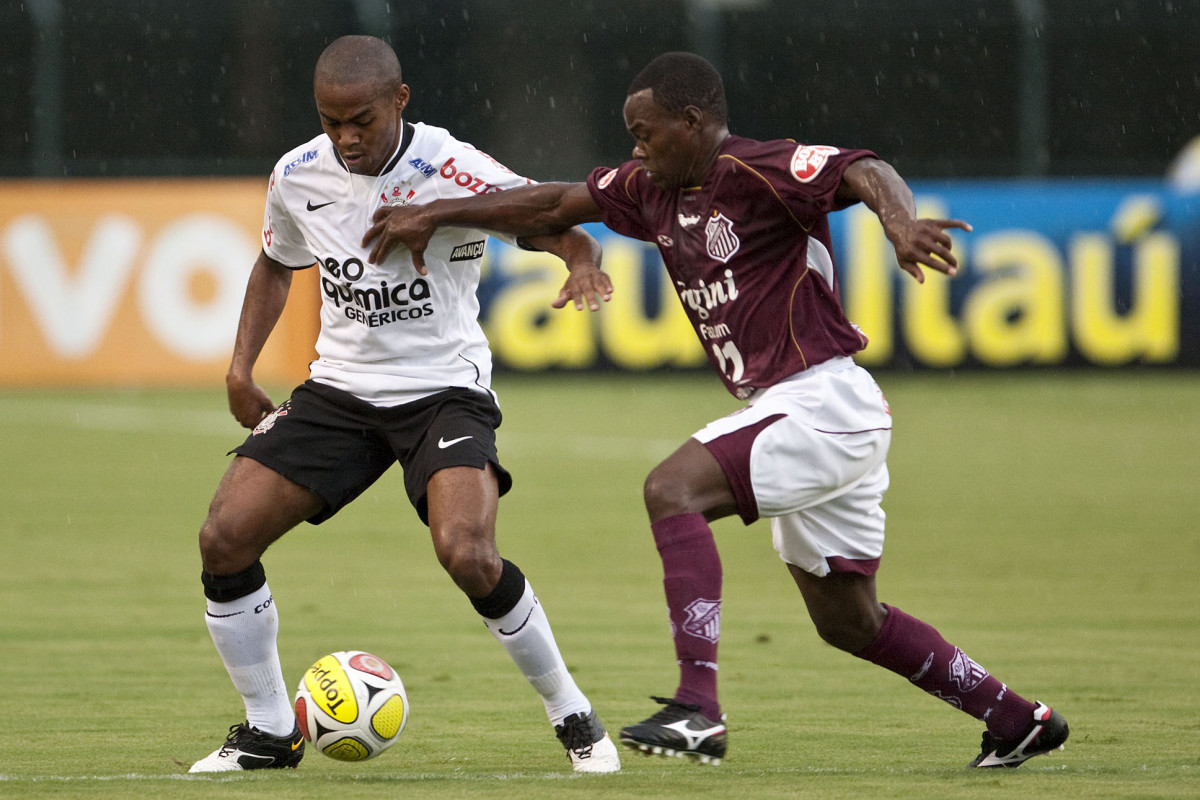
222 552
664 495
215 550
469 557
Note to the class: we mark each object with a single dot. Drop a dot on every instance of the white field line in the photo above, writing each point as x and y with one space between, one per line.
1050 765
237 776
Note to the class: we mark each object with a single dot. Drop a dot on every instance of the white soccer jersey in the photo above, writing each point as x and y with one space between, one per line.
388 334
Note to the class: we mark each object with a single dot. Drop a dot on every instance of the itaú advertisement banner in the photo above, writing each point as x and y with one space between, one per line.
141 282
1080 272
136 282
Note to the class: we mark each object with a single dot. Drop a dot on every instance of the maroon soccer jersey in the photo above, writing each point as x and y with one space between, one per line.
749 253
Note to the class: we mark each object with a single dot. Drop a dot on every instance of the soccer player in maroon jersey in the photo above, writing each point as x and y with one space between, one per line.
743 230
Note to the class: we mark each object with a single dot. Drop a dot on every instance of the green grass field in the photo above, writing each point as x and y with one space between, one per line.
1044 522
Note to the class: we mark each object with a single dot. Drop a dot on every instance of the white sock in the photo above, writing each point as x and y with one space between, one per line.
244 631
526 635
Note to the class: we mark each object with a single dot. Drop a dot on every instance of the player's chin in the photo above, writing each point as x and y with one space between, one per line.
658 179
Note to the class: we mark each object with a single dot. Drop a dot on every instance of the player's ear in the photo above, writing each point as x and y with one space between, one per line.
693 116
402 97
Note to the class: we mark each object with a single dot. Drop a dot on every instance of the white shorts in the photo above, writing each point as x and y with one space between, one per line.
810 452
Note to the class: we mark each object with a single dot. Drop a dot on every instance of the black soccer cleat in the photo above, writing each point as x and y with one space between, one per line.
249 748
1047 732
678 730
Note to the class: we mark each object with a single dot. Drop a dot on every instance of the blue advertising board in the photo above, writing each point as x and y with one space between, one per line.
1055 273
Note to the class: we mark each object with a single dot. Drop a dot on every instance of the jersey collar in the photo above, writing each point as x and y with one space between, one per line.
406 137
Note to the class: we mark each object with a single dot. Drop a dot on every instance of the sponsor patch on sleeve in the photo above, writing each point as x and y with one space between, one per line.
809 160
607 179
469 251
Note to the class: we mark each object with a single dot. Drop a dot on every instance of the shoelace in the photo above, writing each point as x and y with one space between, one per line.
235 733
577 736
671 712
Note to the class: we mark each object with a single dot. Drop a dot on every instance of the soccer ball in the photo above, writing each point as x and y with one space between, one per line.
351 705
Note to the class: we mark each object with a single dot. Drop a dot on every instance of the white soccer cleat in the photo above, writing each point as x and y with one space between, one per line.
249 748
588 744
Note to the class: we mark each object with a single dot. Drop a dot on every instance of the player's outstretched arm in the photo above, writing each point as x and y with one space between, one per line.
266 295
586 283
918 242
526 211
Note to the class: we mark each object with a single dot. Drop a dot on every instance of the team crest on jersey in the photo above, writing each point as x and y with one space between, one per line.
269 420
703 619
397 196
606 179
722 241
809 160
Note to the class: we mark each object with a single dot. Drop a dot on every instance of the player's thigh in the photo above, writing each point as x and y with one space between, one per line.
462 504
252 507
323 439
690 480
464 498
446 433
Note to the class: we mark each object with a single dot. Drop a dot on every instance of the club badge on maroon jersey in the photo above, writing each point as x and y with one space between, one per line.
722 241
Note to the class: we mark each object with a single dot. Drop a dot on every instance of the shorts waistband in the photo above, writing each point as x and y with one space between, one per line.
835 364
832 365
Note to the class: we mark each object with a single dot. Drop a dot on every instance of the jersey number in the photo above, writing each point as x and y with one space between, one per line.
730 360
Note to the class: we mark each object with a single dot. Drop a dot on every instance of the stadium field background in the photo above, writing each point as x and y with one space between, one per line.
1044 521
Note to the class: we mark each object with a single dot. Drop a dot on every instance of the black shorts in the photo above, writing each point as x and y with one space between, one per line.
337 445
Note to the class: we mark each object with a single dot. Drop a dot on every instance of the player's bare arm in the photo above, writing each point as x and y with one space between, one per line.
533 210
917 241
266 295
586 283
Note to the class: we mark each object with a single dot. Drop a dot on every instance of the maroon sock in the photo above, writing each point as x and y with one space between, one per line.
692 580
913 649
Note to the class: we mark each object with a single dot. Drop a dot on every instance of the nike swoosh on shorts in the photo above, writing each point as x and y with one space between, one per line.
443 444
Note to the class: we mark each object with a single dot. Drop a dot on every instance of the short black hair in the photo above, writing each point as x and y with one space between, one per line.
678 80
359 59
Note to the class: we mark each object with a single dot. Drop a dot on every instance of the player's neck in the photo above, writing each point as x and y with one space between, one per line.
707 155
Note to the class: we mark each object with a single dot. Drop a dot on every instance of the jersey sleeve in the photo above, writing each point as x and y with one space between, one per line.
281 239
811 175
469 171
616 191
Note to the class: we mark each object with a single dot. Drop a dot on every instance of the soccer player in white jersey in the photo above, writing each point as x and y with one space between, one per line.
403 375
742 228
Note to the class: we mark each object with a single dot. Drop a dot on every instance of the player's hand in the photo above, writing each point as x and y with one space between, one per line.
585 284
924 242
399 225
247 401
